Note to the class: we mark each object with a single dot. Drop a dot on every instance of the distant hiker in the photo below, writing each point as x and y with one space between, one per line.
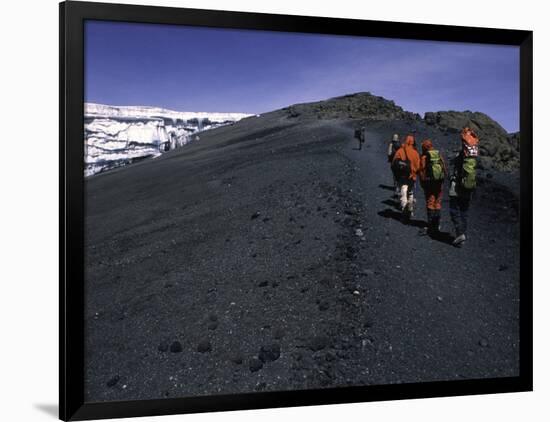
433 172
359 134
406 164
392 149
463 183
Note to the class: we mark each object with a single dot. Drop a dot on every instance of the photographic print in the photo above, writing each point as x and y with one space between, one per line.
270 211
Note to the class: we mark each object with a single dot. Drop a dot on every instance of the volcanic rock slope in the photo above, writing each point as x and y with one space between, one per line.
269 256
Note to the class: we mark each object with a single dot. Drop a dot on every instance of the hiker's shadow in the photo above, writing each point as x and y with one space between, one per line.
386 187
443 237
391 202
398 216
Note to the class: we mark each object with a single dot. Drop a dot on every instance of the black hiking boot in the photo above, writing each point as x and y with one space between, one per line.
459 241
427 230
434 224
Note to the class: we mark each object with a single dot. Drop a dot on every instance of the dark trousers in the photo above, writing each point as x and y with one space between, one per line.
459 206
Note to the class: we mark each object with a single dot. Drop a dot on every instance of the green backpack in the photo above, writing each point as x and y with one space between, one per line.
469 173
435 172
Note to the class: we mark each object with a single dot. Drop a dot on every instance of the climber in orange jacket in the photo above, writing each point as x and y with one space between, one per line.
406 164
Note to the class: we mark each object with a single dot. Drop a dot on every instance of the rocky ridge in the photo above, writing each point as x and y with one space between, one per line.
499 150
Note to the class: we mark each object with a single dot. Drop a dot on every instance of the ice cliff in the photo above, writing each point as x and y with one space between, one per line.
115 136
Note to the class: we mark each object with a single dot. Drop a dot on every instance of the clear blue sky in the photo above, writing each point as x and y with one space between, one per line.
206 69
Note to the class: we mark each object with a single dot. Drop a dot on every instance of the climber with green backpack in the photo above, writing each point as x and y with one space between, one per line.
433 172
463 183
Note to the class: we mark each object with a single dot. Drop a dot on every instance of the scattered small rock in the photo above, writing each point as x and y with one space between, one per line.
324 305
204 346
356 292
270 352
263 283
483 343
212 325
113 381
440 299
367 272
175 347
342 355
255 365
255 215
359 233
503 267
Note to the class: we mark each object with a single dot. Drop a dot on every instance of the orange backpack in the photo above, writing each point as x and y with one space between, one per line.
470 142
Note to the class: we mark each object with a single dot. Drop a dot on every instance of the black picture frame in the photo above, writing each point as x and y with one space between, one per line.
71 181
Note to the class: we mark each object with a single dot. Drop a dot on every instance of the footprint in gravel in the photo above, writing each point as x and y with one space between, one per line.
204 346
279 333
255 365
318 343
237 359
175 347
270 352
113 381
329 357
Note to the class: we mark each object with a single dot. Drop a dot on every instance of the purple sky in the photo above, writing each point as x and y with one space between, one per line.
205 69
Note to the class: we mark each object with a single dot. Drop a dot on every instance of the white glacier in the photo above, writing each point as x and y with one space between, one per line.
118 135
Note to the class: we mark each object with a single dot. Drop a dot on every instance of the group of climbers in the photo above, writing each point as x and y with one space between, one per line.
430 169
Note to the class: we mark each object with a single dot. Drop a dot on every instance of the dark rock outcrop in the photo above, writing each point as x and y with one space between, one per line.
362 105
498 149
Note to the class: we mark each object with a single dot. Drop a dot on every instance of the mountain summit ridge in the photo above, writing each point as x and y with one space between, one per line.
499 149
